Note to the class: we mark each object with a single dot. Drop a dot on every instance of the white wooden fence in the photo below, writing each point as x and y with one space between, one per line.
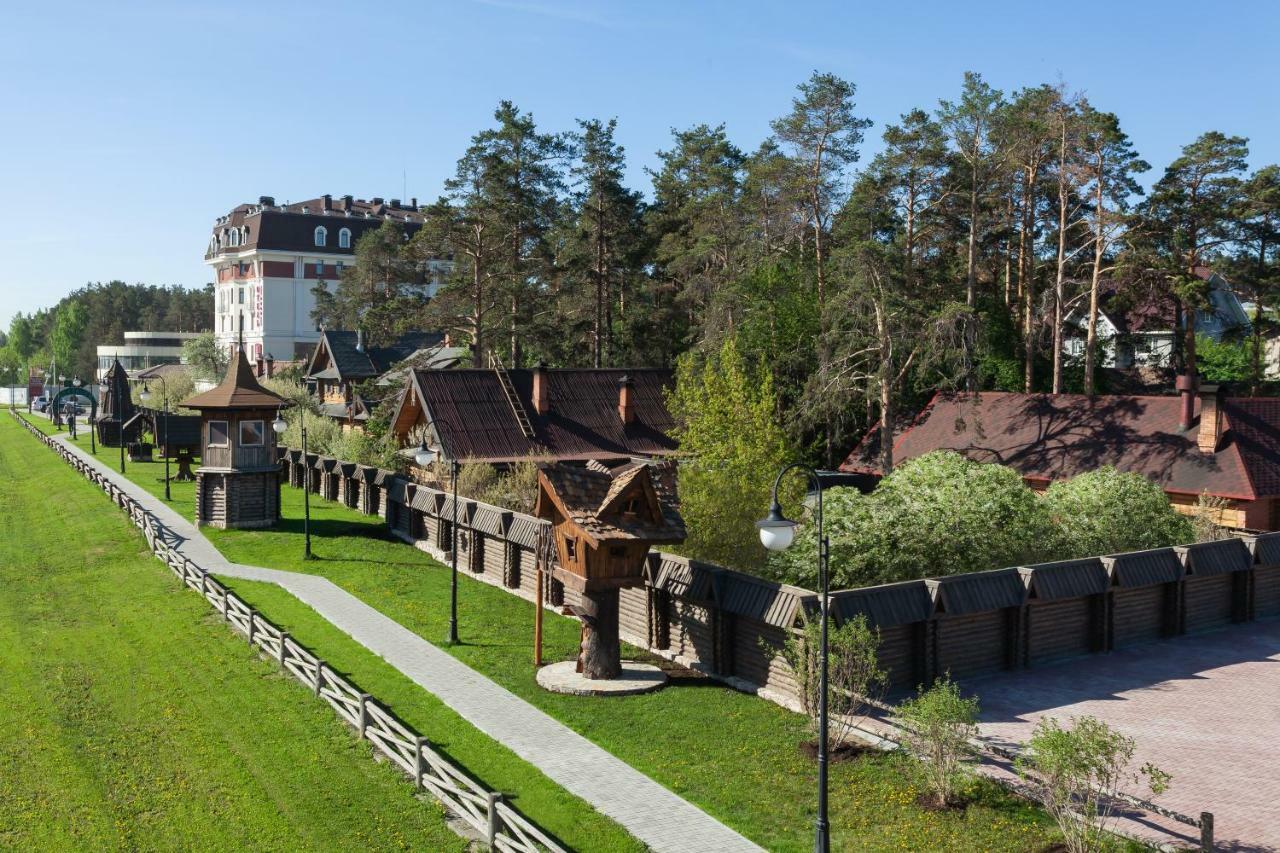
503 827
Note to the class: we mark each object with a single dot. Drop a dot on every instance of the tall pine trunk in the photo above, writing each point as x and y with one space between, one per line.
971 284
1095 283
1060 281
1026 279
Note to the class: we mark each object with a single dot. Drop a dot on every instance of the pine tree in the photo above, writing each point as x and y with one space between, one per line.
823 134
1109 164
1189 217
606 234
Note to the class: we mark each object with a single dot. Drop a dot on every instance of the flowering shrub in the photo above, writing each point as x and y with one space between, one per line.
1108 511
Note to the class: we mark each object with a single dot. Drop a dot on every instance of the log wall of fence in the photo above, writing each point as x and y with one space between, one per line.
484 810
723 622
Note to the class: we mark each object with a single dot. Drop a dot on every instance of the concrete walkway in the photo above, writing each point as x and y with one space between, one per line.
650 812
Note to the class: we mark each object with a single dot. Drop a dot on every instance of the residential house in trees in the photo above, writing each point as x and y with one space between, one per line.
342 360
1138 331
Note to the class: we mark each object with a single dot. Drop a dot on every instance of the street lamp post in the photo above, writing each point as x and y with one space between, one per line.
164 442
280 425
777 532
424 456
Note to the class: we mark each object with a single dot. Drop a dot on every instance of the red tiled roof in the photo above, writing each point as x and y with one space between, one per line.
473 419
1047 437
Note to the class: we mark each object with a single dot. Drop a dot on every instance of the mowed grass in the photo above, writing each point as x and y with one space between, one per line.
571 820
732 754
133 720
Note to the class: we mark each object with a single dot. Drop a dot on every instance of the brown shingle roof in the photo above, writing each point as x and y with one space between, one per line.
474 420
239 390
1052 437
587 496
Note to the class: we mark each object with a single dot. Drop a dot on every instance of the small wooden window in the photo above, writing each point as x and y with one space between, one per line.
218 434
617 551
571 549
631 507
251 433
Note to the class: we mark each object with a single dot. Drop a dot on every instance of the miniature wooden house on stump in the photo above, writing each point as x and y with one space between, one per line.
116 421
238 481
603 522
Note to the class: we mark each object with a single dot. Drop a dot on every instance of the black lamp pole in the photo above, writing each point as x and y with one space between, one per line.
453 559
164 441
306 485
822 834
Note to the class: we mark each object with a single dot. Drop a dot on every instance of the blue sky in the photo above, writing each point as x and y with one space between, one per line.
130 126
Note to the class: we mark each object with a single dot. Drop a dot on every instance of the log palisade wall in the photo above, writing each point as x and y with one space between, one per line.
725 623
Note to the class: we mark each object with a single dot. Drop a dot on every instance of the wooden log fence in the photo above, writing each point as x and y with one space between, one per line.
485 811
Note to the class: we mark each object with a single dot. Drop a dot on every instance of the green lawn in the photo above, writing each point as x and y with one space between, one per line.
133 720
732 754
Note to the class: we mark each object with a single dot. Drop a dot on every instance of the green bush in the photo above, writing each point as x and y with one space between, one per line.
1222 361
938 726
936 514
942 514
1109 511
853 673
1076 773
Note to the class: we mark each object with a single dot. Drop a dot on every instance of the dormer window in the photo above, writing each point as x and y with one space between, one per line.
322 236
344 238
631 507
305 210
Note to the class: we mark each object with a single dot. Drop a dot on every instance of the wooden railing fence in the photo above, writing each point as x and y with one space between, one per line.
486 811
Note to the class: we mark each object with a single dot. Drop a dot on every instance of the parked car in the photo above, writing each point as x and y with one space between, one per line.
39 404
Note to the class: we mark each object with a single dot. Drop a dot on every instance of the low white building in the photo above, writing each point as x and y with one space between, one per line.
141 350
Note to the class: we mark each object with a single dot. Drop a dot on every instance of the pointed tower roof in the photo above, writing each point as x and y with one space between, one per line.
239 390
117 403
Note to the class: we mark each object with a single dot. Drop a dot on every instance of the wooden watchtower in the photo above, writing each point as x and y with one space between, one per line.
604 522
238 481
117 409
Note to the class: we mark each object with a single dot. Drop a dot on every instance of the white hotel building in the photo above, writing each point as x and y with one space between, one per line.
266 259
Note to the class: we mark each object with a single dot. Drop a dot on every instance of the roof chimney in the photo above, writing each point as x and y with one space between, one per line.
326 201
346 202
626 400
413 202
1210 419
267 200
271 365
541 403
359 340
1186 385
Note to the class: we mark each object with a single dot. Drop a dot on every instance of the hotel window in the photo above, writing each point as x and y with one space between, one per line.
217 433
240 295
321 236
344 238
319 268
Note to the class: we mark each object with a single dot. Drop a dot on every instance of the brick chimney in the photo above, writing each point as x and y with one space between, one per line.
626 400
1186 385
541 401
271 365
326 201
1210 419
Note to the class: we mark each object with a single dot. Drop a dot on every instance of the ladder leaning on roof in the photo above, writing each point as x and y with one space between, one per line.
522 417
